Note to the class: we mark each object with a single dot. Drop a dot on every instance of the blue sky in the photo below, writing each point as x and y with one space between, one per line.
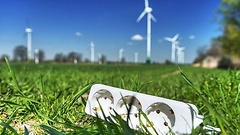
62 26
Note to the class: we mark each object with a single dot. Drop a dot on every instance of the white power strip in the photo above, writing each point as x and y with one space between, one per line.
163 113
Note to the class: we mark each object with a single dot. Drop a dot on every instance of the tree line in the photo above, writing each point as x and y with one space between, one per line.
20 54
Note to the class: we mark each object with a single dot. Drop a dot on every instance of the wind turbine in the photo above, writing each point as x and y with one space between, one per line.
136 57
36 56
150 17
174 44
120 55
180 53
99 58
28 30
92 52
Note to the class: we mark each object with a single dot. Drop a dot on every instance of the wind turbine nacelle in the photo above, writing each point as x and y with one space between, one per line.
148 10
163 114
28 30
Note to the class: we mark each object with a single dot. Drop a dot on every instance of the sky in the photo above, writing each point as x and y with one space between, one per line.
63 26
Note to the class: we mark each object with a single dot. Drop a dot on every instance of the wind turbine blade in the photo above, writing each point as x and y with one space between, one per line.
168 39
146 3
153 18
175 37
141 16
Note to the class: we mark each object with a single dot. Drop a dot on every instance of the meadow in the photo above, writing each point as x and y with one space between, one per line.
48 98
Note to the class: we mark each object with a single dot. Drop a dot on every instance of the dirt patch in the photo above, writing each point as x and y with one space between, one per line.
171 74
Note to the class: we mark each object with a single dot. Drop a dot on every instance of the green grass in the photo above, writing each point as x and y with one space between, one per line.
48 97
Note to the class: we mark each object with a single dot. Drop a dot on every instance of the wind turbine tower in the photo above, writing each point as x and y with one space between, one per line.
29 42
36 56
92 52
150 17
174 45
120 55
99 58
136 57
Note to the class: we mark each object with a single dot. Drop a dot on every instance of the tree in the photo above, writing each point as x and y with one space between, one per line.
230 19
58 57
102 59
201 54
20 53
214 50
41 55
74 57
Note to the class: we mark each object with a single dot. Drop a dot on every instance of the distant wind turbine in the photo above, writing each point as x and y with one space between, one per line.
174 44
36 56
150 17
180 54
99 58
28 30
92 52
120 55
136 57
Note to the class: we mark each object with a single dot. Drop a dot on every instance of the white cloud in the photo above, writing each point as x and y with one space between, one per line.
192 37
78 33
137 37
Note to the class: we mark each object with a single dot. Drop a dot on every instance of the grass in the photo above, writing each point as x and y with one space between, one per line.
47 98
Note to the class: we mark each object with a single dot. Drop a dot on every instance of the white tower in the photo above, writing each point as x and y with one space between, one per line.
99 58
136 57
150 17
92 52
29 42
120 55
36 51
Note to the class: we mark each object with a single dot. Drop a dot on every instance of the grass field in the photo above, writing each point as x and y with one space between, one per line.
47 98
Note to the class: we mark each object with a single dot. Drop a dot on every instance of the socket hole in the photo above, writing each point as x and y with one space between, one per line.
171 111
165 123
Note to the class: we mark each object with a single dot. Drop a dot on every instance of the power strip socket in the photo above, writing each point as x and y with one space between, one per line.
162 113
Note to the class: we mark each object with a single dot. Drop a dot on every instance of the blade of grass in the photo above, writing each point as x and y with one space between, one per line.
100 126
26 131
69 104
12 73
10 119
51 130
148 121
236 99
10 102
7 126
124 125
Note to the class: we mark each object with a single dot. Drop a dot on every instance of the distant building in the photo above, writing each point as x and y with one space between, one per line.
214 62
211 62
